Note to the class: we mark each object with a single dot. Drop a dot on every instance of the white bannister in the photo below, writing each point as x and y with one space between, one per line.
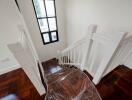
27 44
28 49
73 54
84 53
23 28
110 44
77 53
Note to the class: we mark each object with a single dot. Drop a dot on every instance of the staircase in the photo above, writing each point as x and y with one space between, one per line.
76 53
92 53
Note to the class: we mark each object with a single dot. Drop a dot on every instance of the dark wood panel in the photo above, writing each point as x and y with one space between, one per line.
17 83
108 88
124 84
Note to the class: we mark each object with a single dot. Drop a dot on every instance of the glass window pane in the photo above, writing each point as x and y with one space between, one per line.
50 8
39 8
54 36
52 24
43 25
46 37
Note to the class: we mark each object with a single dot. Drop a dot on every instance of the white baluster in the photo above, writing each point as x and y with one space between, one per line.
88 50
94 55
71 55
68 56
74 54
78 56
63 58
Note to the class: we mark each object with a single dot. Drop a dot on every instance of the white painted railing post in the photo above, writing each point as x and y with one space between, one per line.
78 52
91 30
94 55
88 50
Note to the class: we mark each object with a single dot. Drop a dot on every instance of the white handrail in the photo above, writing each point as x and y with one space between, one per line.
77 52
86 50
25 33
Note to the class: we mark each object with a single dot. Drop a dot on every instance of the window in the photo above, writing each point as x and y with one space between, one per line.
46 16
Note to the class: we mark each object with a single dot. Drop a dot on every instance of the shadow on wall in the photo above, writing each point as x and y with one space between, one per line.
123 56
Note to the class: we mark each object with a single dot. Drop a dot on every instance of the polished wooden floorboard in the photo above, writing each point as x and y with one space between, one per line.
18 84
68 82
110 86
117 85
107 88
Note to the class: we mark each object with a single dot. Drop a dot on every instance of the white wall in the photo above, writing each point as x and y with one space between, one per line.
127 47
8 34
129 62
49 51
109 15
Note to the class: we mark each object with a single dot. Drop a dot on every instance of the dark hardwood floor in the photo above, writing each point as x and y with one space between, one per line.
114 87
15 85
109 88
68 82
117 85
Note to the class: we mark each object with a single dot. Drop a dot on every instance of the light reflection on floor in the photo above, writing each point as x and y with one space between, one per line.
55 69
10 97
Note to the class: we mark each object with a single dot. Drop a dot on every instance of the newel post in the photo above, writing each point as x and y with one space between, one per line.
92 28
